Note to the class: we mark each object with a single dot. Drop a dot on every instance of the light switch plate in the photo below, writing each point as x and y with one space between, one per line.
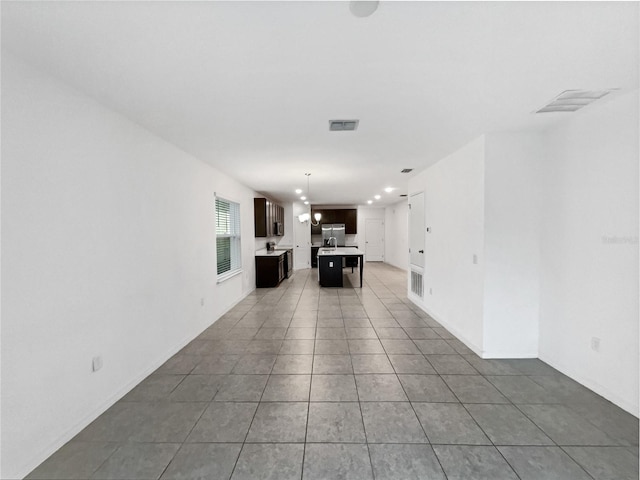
96 363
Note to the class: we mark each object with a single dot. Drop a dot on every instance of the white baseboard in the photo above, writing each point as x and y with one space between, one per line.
96 412
109 402
442 321
460 336
502 355
632 408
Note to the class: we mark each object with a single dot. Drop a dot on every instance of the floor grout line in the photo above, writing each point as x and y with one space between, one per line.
260 314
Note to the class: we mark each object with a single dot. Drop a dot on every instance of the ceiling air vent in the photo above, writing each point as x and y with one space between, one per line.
572 100
343 125
406 170
403 195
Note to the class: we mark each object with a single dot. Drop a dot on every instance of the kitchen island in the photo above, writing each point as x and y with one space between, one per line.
330 264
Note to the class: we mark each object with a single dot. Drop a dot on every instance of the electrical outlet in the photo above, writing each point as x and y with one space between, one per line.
96 363
330 264
595 344
202 302
431 291
475 259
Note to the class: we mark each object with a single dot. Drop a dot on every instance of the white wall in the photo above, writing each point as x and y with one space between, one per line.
589 245
553 218
511 245
396 233
454 211
108 247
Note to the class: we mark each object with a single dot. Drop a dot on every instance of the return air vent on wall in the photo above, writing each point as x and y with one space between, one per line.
572 100
416 283
343 125
406 170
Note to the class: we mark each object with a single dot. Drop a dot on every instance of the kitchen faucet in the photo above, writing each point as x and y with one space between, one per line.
335 243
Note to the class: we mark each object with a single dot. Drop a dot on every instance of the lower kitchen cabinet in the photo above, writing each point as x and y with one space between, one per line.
288 262
270 270
330 271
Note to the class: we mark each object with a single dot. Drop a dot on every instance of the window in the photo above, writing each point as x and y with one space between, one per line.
227 238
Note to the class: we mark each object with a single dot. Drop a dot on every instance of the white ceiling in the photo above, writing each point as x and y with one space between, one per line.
249 87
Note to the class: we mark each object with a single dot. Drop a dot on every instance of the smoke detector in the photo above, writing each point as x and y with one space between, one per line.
572 100
343 125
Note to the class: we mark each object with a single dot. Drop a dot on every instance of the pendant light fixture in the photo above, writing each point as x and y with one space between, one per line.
305 216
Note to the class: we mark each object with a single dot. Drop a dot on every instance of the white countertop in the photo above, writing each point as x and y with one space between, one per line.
346 246
340 251
264 253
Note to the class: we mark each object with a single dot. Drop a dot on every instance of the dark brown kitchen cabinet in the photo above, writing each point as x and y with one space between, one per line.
330 271
314 257
270 270
329 216
348 216
338 216
280 216
267 216
351 221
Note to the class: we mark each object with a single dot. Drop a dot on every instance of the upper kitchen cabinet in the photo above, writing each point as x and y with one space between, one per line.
350 221
348 216
328 216
268 218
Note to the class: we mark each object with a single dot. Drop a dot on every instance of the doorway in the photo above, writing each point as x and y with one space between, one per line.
416 244
374 239
416 230
302 244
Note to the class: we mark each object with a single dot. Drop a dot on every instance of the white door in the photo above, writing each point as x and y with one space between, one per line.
301 244
416 230
374 239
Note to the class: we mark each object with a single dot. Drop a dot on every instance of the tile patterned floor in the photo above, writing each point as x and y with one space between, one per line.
305 383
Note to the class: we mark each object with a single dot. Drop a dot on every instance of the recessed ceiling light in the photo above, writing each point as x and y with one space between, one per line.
377 197
303 198
388 189
298 191
369 202
306 202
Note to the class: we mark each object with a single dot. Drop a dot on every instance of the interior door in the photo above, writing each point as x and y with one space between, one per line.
416 229
301 244
374 239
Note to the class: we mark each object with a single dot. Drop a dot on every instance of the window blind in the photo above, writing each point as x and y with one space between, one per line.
227 237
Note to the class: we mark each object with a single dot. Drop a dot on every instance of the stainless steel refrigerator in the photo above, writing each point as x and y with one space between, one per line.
333 230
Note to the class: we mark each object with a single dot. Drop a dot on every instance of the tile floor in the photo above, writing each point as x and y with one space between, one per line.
299 382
